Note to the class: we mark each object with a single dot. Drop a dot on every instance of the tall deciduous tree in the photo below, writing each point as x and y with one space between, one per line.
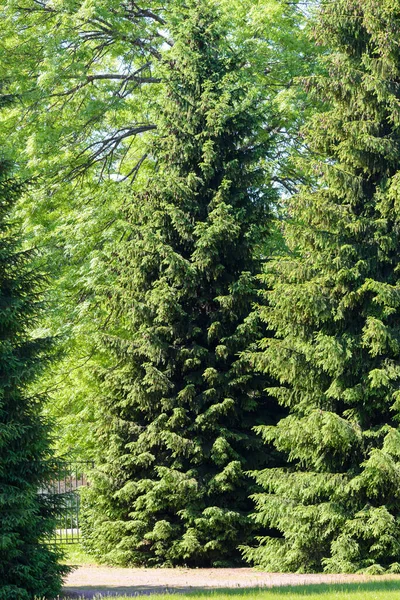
28 566
335 309
77 69
178 406
86 75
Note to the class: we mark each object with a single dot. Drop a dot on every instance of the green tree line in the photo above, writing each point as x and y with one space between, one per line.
212 188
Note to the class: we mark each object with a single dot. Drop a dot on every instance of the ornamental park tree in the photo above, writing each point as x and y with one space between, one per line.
334 307
178 404
28 565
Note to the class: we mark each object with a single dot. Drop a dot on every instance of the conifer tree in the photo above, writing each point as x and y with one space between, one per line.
28 566
334 307
179 404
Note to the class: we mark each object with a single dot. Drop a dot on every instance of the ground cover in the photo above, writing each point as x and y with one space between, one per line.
89 581
93 582
380 590
76 556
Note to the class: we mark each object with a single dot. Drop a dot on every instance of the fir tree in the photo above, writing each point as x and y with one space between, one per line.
179 404
28 566
334 306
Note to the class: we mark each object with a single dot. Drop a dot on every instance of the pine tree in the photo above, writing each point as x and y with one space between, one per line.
28 566
179 404
334 306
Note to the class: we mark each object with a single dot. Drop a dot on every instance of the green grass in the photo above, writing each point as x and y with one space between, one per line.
379 590
75 555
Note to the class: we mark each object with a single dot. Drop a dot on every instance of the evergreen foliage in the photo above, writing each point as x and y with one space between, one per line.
28 566
53 60
334 307
178 405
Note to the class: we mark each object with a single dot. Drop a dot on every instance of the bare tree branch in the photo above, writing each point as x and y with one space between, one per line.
103 150
102 77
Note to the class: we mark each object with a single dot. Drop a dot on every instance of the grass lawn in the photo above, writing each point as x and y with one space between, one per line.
381 590
75 555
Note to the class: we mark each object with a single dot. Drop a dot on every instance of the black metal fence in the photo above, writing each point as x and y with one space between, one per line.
67 479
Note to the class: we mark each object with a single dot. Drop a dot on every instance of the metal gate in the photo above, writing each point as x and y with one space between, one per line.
68 477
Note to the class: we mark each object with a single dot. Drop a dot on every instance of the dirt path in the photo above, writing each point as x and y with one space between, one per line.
88 581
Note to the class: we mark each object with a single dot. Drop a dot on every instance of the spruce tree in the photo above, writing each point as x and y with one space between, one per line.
28 565
179 404
334 306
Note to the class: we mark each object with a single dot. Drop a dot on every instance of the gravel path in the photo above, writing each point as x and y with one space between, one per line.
88 581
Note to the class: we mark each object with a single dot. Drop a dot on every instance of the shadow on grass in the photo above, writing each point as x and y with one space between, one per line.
91 592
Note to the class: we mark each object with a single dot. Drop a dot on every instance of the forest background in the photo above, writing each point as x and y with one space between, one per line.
102 93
